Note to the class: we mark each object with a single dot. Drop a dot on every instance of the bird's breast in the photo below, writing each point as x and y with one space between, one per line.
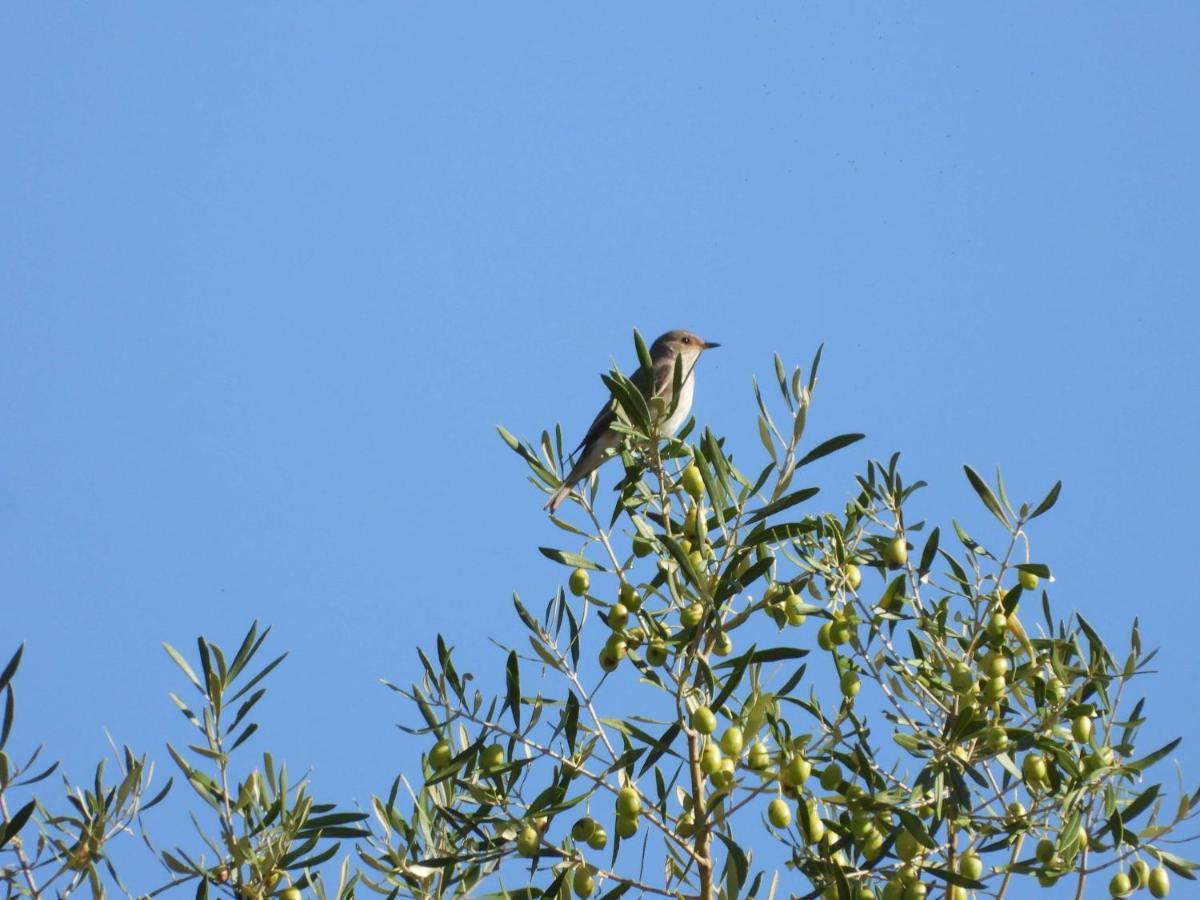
676 419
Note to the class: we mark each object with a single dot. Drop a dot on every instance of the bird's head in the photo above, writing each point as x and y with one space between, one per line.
680 343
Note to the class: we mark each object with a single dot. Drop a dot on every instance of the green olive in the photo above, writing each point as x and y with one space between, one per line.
693 481
732 740
579 582
779 813
703 721
895 552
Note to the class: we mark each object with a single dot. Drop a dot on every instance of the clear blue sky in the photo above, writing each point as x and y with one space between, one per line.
271 274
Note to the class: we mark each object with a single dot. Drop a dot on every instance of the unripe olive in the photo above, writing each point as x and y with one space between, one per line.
1139 873
961 677
642 546
872 845
656 653
627 826
994 689
686 826
710 760
796 771
440 755
1045 850
1120 885
579 582
997 625
970 865
1159 883
1028 580
850 685
995 665
630 597
1034 769
583 882
853 576
758 757
825 636
618 616
1081 729
692 615
731 741
492 757
723 645
814 828
831 778
527 841
616 646
723 777
779 813
628 802
996 738
907 847
599 838
895 552
703 721
693 481
1055 690
583 828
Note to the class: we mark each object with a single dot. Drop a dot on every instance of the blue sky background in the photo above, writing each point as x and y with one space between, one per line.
270 276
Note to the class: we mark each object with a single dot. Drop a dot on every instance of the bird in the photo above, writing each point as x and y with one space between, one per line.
658 382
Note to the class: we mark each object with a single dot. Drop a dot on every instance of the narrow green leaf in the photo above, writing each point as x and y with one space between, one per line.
1048 503
17 822
816 364
830 446
512 677
183 664
986 495
785 502
661 746
1150 759
931 548
643 352
574 560
773 654
11 668
764 435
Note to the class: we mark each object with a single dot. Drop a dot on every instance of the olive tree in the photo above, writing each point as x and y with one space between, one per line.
734 694
258 834
738 695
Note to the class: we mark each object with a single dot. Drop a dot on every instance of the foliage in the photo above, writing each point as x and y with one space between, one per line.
733 695
901 739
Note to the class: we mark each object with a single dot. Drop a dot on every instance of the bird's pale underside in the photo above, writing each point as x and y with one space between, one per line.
657 383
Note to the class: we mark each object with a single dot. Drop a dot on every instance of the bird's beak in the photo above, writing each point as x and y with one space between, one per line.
709 345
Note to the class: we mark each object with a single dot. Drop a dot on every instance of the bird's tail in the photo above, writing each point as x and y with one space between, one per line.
558 497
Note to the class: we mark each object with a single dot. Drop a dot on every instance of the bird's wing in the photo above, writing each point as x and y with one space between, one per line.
664 376
599 425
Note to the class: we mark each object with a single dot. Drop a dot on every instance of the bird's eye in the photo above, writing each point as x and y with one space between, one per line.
687 340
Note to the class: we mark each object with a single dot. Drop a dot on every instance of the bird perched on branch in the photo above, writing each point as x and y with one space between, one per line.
656 383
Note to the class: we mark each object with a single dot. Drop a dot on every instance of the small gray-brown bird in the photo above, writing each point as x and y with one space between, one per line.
658 382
